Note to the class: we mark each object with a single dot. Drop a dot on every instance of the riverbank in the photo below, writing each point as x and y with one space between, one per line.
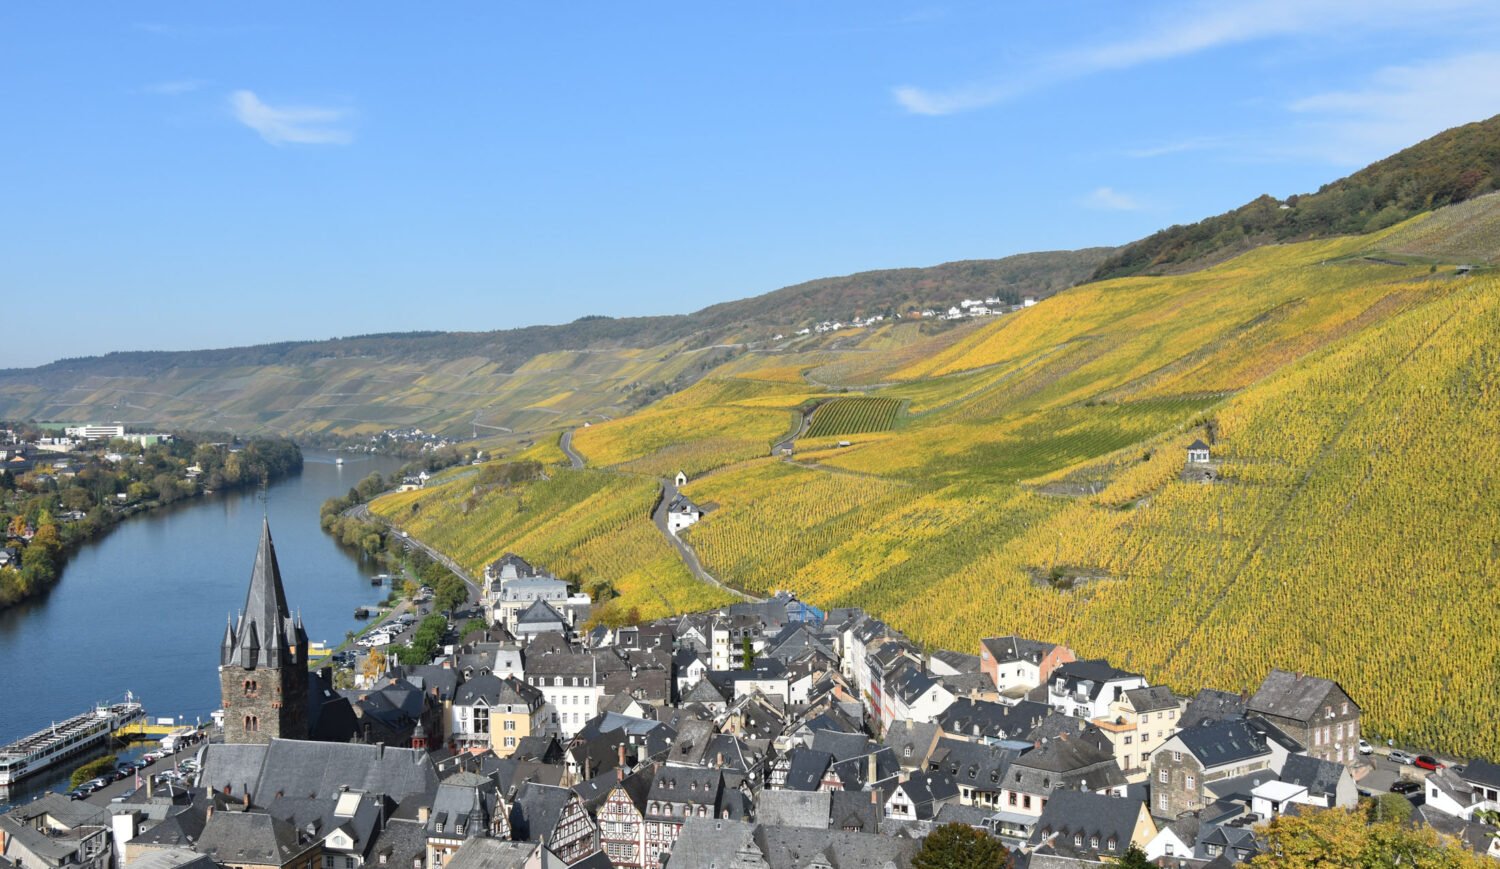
60 501
143 607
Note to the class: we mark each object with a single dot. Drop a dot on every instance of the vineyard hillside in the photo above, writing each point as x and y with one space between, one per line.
1035 481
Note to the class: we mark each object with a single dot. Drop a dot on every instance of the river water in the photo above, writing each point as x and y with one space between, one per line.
142 609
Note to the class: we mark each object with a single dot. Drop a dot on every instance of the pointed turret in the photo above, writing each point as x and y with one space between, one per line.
266 630
226 648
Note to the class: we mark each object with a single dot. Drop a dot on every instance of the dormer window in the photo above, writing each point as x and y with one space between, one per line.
1077 840
1094 842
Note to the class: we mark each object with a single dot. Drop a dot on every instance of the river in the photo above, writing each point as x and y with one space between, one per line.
142 609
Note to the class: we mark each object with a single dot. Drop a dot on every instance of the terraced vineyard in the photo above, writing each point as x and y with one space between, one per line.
846 416
1035 483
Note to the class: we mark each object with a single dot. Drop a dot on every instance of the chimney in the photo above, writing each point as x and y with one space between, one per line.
719 760
422 814
620 751
245 801
874 797
872 772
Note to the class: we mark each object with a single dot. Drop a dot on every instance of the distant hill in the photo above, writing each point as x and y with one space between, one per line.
1453 166
516 379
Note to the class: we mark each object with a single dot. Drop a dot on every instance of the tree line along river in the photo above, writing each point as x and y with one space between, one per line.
142 608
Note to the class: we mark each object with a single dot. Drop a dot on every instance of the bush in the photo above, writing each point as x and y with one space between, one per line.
93 769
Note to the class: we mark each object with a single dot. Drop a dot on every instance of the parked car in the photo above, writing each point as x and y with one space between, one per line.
1426 761
1403 786
1365 747
78 793
153 756
122 797
1400 757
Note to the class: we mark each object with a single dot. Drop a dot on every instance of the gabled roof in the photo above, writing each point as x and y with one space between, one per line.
807 768
1482 772
1320 777
1197 445
794 808
982 718
252 837
1153 699
1012 648
265 631
1292 695
1076 813
539 614
1223 742
1213 705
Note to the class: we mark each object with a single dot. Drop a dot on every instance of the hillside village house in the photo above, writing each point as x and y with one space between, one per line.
1197 453
1186 767
1140 720
496 713
1315 712
1017 665
682 513
1087 689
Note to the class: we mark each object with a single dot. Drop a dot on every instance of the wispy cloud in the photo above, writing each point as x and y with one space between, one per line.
174 88
1187 30
1401 105
1110 199
1198 143
299 125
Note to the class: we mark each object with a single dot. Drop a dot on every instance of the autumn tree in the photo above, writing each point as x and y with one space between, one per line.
960 846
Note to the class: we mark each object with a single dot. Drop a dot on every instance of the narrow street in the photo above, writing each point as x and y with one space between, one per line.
684 551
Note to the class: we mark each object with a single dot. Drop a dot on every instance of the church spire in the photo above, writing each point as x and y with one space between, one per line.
266 622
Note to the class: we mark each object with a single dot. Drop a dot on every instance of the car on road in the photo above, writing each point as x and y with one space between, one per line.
1427 761
1401 757
78 793
151 757
123 796
1403 786
1365 747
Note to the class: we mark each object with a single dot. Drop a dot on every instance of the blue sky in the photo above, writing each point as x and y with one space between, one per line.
196 175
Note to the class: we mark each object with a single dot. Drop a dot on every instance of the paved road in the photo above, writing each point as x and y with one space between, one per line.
567 447
791 442
103 796
362 511
684 551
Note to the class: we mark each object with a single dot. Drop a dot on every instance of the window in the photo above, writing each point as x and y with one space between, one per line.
1161 802
251 687
1077 840
1164 776
481 720
1213 850
252 724
908 751
1026 801
510 724
1012 797
1127 739
1190 782
1177 755
1094 842
556 681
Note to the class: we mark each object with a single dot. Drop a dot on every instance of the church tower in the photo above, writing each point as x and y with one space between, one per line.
263 660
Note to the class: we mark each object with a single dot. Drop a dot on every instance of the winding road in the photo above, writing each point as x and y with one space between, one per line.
684 551
566 442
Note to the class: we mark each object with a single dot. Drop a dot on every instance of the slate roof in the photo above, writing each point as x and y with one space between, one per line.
491 854
251 837
535 810
1012 648
266 630
300 768
1320 777
911 740
971 763
957 660
1096 671
794 808
1482 772
855 810
540 614
983 718
1224 742
807 769
1213 705
495 691
1198 445
171 858
1290 695
399 843
841 745
712 842
1153 699
799 847
1073 813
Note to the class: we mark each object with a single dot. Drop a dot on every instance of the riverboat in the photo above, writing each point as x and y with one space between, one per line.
65 739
